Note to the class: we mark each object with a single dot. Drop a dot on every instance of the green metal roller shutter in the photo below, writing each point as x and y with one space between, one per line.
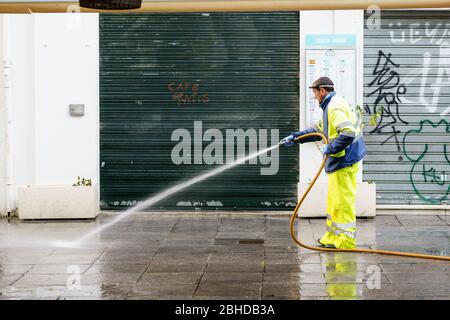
407 80
163 72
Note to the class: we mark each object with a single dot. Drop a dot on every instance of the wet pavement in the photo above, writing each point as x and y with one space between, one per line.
213 256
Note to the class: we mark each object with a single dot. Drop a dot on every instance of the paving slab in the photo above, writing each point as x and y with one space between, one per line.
225 288
446 219
285 290
418 220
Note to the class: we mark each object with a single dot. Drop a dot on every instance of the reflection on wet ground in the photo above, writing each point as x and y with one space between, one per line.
156 256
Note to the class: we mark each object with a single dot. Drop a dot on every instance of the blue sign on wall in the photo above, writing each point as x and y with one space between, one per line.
330 40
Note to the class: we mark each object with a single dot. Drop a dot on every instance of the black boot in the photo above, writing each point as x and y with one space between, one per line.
321 245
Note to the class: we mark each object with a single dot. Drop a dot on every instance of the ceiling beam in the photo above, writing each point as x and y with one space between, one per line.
230 5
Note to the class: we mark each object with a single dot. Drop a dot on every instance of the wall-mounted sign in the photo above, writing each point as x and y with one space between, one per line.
331 40
333 56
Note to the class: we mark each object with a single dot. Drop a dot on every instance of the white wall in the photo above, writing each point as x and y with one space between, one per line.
66 72
22 99
2 132
55 62
21 51
329 22
326 22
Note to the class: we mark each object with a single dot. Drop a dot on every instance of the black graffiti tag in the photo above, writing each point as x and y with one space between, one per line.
430 175
387 89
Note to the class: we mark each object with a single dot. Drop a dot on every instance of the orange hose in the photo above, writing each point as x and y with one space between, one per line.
294 216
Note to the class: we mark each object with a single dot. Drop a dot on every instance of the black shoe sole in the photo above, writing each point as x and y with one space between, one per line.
321 245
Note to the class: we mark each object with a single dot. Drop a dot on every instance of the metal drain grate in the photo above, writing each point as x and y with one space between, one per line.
251 241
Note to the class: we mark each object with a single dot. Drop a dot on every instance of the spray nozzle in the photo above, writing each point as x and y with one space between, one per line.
287 140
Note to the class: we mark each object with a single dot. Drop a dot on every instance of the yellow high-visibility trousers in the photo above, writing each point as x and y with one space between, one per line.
341 217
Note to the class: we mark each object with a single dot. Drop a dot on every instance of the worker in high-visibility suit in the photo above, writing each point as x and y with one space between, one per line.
342 126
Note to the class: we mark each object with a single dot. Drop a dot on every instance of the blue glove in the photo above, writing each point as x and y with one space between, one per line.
326 149
302 133
288 141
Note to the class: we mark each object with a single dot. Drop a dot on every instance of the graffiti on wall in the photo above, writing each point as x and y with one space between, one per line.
420 33
431 86
426 174
186 93
387 89
408 103
436 35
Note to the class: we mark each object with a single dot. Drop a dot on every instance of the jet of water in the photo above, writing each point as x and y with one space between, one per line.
154 199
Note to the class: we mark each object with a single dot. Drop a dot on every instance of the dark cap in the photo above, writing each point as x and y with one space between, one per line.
322 82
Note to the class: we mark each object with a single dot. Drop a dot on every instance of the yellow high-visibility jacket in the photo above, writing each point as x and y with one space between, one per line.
344 131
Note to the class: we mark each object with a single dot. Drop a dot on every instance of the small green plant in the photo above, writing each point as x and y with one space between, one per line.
83 182
373 119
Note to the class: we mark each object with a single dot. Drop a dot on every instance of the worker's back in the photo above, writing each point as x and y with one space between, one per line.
341 118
